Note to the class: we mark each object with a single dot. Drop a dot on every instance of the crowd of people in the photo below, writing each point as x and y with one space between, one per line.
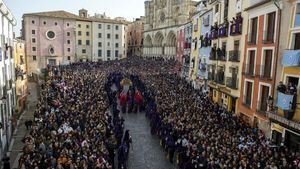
73 127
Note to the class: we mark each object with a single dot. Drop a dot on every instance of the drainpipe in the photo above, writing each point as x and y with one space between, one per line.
277 46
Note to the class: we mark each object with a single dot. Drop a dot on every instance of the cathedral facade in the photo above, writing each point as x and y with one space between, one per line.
162 20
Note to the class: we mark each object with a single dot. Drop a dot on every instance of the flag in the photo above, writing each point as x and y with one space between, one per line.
291 58
284 101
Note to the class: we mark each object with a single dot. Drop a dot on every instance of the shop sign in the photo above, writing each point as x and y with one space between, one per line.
285 121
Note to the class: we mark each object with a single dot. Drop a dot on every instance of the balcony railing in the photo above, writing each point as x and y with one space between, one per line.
261 107
220 78
246 101
223 31
291 58
187 45
214 34
268 37
251 39
234 56
285 101
213 55
248 70
221 54
264 73
232 82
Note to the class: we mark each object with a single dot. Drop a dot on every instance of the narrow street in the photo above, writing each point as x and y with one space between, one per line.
146 151
16 146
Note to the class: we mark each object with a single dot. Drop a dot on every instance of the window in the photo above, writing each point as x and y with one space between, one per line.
87 33
68 42
68 34
79 25
83 51
79 42
108 53
248 92
33 32
269 32
266 68
99 26
250 63
69 57
117 27
116 53
68 24
263 97
50 35
297 16
108 59
217 8
33 22
99 44
69 50
99 35
33 40
99 53
87 42
108 44
226 9
87 26
253 31
45 22
297 41
108 36
33 48
117 45
79 33
117 36
33 57
55 23
108 26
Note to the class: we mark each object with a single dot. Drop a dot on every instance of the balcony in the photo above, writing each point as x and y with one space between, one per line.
214 34
274 116
251 39
248 70
223 31
265 72
247 101
213 54
211 76
268 37
234 55
232 82
220 78
236 26
291 58
261 108
221 54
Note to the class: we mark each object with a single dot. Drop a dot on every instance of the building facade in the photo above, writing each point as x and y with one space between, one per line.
50 39
109 40
259 63
21 74
135 37
204 46
162 19
285 115
7 79
188 28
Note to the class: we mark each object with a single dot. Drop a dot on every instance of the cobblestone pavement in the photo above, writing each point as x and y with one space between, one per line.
146 152
17 145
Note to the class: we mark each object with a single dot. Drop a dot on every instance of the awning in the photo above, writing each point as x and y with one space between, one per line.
291 58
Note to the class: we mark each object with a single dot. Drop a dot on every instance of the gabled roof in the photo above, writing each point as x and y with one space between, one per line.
54 14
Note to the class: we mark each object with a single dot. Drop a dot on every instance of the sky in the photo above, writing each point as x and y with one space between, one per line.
113 8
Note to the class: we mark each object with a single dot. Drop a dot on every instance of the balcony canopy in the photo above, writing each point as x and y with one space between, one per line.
291 58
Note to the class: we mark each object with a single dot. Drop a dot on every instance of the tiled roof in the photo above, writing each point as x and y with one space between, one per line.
68 15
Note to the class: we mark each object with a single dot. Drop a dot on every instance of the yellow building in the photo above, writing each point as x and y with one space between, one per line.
83 37
20 71
196 22
285 117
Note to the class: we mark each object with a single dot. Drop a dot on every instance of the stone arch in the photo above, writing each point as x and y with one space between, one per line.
158 39
171 39
148 41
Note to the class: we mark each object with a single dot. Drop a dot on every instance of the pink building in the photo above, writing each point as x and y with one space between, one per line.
50 39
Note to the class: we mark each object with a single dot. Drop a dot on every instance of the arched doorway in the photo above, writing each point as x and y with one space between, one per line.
158 43
170 49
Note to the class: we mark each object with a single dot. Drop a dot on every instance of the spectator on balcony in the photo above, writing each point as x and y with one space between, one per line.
281 87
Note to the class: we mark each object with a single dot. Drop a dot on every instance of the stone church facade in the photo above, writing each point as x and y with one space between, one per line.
162 20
